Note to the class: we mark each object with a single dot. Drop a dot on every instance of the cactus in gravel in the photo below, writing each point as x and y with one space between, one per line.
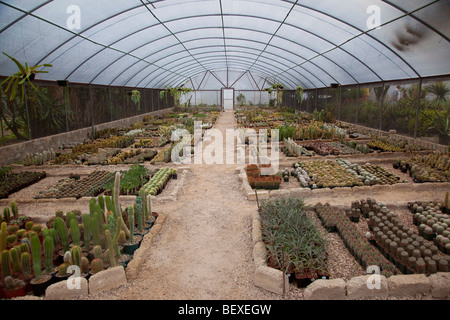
97 265
29 225
109 204
87 231
23 247
6 263
76 255
6 215
111 258
95 230
101 202
15 259
69 216
62 232
36 255
122 237
116 192
75 232
62 268
116 236
14 209
84 265
48 253
149 207
25 261
3 236
97 250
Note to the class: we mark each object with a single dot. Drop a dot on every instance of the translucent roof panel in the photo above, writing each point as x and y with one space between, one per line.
165 43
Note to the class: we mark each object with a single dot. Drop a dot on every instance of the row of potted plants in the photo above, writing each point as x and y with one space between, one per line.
293 241
106 236
356 243
15 181
257 180
434 167
409 251
159 180
432 223
73 186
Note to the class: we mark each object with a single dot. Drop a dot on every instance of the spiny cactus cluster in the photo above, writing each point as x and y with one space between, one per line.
39 158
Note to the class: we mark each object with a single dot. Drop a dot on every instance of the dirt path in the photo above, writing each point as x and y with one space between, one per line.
204 250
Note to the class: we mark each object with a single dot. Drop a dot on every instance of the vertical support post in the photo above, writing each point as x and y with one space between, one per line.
26 111
110 102
91 106
357 104
66 107
316 104
340 102
418 109
381 107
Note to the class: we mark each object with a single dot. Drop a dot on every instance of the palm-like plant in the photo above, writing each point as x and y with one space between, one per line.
440 90
25 74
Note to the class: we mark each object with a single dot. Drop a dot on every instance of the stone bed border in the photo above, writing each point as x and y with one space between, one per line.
270 279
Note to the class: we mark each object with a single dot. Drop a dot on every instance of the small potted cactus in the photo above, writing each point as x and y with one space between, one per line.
14 288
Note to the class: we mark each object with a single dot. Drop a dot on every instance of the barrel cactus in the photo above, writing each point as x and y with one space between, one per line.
97 265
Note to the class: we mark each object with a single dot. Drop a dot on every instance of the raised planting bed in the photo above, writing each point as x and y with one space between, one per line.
15 181
131 180
434 167
433 222
293 241
410 251
355 242
89 186
158 181
77 153
93 241
340 173
259 181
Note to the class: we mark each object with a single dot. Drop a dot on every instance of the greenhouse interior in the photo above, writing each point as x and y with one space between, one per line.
225 150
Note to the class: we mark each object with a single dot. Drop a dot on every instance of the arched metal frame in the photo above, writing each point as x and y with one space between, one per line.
233 57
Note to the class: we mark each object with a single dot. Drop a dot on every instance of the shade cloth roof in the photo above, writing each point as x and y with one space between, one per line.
227 43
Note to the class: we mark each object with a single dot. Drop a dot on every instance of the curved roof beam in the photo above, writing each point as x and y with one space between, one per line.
253 30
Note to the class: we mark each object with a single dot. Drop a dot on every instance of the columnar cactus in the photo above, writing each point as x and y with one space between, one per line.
131 222
95 230
109 204
139 215
149 206
25 261
62 232
76 255
36 255
6 215
14 209
6 263
29 225
15 259
116 193
48 253
3 236
75 232
111 258
97 265
92 203
87 231
101 202
24 248
116 236
69 216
